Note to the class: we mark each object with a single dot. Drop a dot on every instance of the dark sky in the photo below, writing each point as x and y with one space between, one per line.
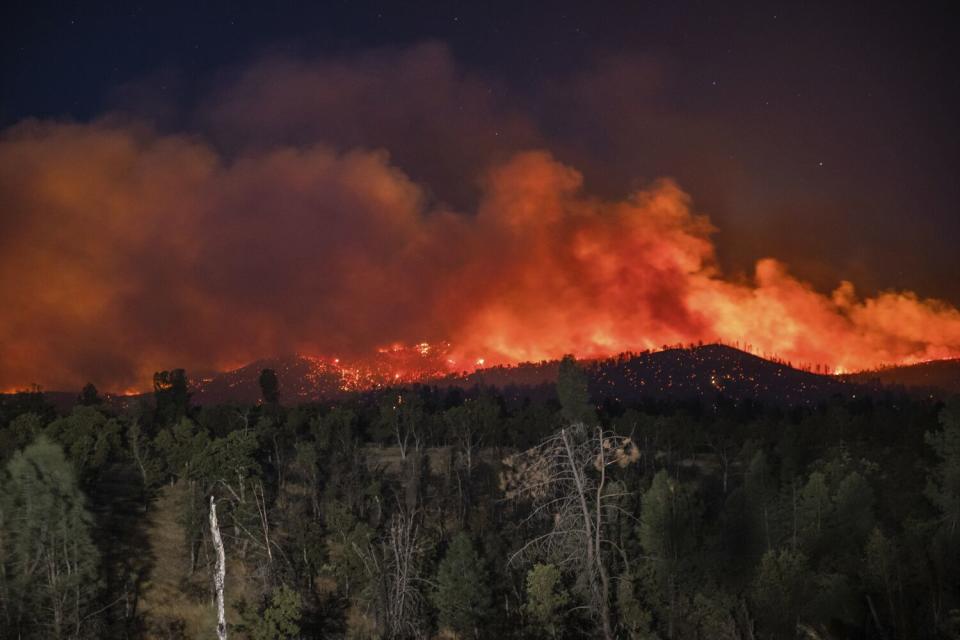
820 134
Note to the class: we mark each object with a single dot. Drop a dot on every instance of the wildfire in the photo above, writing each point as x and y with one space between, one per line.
352 258
598 278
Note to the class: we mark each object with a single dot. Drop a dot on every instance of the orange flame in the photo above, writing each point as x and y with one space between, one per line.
597 278
123 252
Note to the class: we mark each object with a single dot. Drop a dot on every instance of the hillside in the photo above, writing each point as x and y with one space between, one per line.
708 371
700 372
309 378
302 379
942 375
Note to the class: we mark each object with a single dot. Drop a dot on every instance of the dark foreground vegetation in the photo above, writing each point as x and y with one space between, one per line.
428 512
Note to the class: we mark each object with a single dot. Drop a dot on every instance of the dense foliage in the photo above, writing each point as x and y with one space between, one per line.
424 512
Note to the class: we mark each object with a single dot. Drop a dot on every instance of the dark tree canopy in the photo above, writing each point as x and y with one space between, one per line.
89 396
512 513
170 389
573 394
269 387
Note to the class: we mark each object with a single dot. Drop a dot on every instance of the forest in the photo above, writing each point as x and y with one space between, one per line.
427 512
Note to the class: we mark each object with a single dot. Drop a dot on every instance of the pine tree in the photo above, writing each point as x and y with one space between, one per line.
89 396
547 599
462 597
668 523
279 619
88 437
943 485
269 387
780 591
572 392
50 564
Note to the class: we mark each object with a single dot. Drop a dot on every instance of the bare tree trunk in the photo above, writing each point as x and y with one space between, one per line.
134 436
793 487
402 439
725 461
261 502
393 565
598 527
876 618
558 476
594 560
220 572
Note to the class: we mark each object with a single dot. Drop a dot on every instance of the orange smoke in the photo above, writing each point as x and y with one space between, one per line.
123 251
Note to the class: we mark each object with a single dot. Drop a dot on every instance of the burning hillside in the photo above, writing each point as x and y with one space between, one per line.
312 251
703 372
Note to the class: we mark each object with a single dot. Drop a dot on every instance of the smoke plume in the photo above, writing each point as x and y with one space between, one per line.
125 249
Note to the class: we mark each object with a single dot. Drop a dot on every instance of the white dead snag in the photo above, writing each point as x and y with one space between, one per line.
220 571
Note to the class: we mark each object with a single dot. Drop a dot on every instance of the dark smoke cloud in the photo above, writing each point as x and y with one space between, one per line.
443 125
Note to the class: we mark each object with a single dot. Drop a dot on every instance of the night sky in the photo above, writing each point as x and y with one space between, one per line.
824 136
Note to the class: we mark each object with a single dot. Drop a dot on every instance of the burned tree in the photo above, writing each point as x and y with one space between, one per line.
566 480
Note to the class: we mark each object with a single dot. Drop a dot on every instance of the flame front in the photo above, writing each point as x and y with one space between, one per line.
124 251
578 275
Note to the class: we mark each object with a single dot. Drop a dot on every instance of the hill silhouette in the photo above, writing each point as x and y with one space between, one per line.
937 376
702 372
709 372
690 373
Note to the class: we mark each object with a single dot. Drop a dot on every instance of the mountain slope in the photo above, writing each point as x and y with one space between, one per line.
308 378
704 372
943 375
709 371
700 372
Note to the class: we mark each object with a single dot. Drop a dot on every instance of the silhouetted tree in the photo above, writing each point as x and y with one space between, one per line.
269 387
89 396
573 394
171 394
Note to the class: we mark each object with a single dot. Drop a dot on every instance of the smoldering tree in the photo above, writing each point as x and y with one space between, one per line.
568 482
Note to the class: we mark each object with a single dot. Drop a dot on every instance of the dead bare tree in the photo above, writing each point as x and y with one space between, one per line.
566 479
403 418
261 502
467 426
220 571
393 567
